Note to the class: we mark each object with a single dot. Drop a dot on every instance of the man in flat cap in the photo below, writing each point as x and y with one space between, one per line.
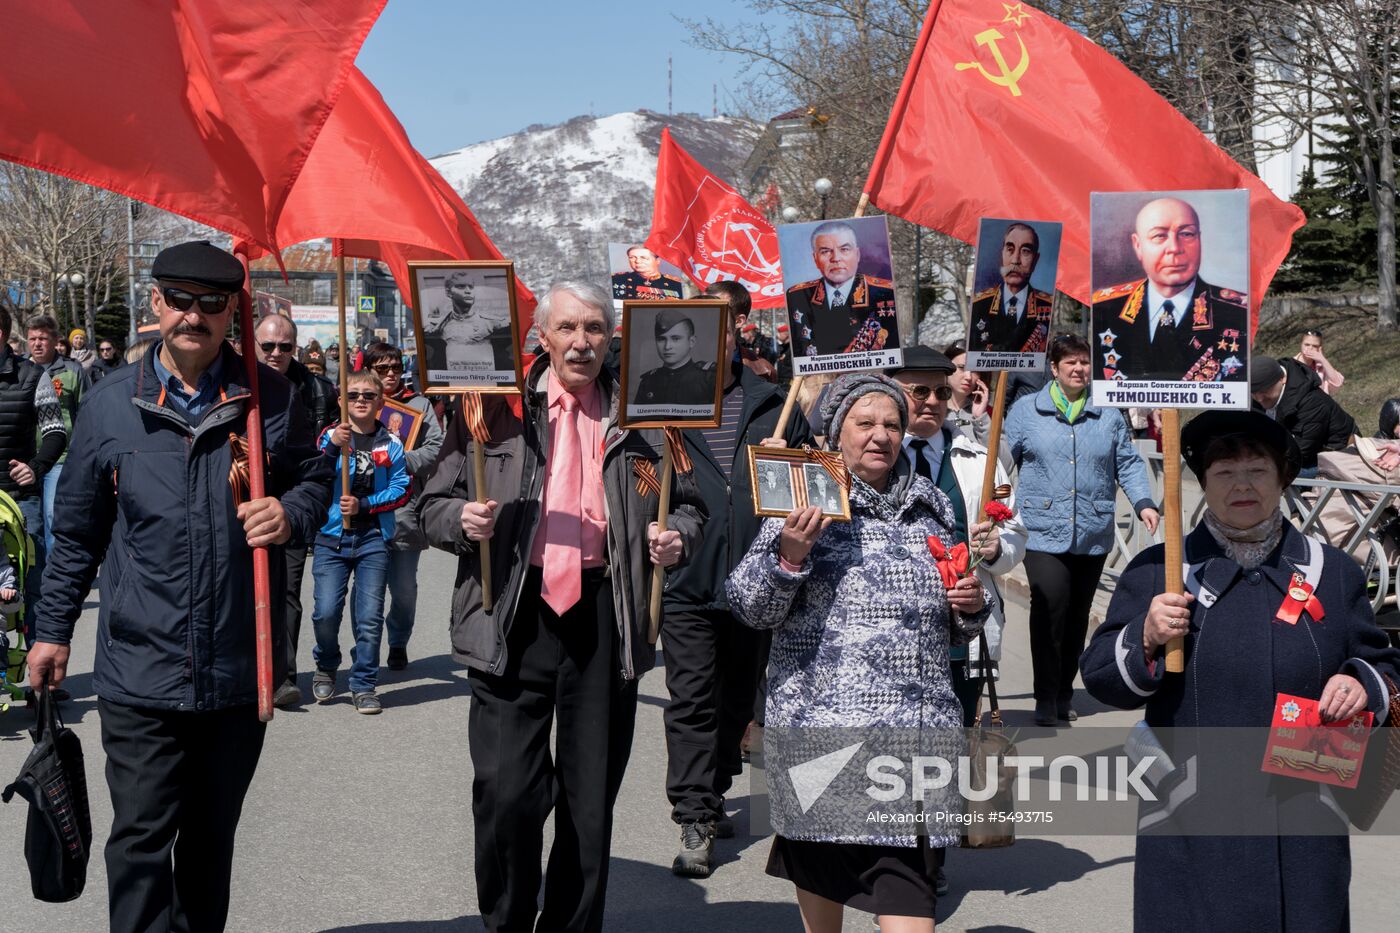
1171 325
680 379
157 481
1012 317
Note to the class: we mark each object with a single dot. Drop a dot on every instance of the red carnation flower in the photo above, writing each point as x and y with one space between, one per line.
998 513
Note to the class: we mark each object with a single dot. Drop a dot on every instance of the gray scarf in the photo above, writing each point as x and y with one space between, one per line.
1247 547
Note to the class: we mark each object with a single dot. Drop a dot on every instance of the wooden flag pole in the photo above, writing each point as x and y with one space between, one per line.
989 472
1171 516
257 489
483 547
658 573
343 369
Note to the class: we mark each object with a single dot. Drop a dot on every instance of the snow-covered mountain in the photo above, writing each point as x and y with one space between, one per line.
553 197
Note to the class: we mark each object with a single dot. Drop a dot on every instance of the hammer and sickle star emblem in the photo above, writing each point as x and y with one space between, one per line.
1015 14
1007 77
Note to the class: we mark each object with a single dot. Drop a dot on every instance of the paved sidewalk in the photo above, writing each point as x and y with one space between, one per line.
362 824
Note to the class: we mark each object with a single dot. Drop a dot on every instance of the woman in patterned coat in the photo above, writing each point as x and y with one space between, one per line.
861 624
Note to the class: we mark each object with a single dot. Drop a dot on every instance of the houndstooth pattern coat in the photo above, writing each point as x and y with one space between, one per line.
860 638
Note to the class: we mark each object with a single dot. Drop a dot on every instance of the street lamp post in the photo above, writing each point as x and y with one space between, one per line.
823 188
68 282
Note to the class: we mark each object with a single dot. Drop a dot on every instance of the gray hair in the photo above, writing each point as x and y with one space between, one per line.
586 292
834 226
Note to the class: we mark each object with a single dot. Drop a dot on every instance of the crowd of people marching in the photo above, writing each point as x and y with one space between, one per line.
142 468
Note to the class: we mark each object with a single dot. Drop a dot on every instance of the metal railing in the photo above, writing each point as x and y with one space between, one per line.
1303 504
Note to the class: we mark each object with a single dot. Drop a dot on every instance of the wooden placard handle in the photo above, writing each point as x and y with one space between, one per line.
658 573
343 374
780 429
989 471
483 548
1171 517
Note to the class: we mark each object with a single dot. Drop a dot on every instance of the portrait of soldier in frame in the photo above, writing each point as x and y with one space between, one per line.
638 274
465 321
671 353
1009 323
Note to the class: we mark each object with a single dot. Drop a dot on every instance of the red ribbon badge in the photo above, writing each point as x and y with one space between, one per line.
1300 599
952 564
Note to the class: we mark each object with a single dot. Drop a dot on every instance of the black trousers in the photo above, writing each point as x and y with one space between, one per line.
711 675
177 782
565 668
1062 592
291 607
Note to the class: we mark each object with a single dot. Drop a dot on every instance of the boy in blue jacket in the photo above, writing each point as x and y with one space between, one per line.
378 485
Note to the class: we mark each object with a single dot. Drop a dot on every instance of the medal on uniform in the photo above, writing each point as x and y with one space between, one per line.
1300 599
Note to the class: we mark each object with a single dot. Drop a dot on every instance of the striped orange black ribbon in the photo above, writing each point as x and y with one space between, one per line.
476 417
647 482
238 479
833 463
680 460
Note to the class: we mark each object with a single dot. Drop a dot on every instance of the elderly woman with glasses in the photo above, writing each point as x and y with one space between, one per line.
1269 615
862 624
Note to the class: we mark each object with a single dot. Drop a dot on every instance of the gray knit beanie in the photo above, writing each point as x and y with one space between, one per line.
844 392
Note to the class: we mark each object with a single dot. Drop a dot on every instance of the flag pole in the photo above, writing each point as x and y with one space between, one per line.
989 471
658 573
1171 516
343 374
257 489
475 413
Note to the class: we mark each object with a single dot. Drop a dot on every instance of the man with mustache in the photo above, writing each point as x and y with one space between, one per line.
153 490
845 310
1172 325
570 517
1012 317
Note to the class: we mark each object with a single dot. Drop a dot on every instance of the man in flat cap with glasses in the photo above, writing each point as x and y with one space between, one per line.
156 489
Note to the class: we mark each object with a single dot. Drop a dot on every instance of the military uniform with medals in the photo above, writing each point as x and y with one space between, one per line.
690 384
634 285
864 322
997 329
1210 344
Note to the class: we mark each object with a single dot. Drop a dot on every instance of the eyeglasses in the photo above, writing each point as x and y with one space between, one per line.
361 396
921 393
386 368
181 300
106 349
273 345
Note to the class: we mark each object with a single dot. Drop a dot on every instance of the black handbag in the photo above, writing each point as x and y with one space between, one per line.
992 829
58 836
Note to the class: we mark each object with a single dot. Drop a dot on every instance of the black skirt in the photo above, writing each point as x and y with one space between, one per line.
894 881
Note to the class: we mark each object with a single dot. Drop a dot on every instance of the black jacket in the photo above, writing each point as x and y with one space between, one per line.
151 491
732 524
28 410
318 394
1312 416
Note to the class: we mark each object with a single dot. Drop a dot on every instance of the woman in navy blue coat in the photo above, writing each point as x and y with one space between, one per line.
1242 561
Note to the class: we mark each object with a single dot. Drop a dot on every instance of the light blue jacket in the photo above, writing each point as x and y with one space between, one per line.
1069 474
390 483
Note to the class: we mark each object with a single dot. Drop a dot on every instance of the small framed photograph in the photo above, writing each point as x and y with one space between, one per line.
465 326
266 304
672 356
784 479
403 421
638 274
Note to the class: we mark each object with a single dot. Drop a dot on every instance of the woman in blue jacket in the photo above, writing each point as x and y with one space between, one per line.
1072 457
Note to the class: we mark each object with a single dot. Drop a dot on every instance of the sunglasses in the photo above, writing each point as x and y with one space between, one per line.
384 368
181 300
106 349
272 345
361 396
921 393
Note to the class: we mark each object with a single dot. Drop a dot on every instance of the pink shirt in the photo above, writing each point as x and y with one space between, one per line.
591 431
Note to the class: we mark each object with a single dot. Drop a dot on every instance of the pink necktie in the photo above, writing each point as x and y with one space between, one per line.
563 524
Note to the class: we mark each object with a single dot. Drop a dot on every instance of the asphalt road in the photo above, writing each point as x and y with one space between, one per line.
362 824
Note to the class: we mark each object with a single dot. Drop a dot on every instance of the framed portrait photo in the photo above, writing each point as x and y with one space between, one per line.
672 363
638 274
1013 294
403 421
1170 302
784 479
266 304
465 327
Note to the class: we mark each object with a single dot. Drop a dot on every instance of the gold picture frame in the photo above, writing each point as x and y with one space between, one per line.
428 345
413 421
802 468
646 371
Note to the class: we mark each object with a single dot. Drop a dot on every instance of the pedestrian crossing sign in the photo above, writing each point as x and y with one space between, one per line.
366 304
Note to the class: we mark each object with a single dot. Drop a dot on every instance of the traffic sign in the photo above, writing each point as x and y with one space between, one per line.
366 304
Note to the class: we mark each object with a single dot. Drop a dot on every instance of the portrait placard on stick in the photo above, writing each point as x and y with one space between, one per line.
267 304
639 275
672 354
1013 294
464 318
784 479
1170 318
840 295
403 421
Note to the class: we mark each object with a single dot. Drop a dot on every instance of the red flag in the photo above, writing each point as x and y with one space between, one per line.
202 107
702 225
1006 112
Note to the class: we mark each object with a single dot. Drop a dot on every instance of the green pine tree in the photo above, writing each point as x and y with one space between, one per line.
1326 254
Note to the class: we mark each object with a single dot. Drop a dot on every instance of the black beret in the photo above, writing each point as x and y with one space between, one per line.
922 359
1264 373
201 263
668 319
1255 425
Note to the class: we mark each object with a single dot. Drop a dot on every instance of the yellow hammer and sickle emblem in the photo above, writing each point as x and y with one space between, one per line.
1008 77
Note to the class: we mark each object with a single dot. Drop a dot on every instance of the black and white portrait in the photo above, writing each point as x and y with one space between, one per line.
822 489
467 332
773 489
638 274
670 362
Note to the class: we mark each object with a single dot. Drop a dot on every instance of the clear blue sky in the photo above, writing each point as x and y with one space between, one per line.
461 71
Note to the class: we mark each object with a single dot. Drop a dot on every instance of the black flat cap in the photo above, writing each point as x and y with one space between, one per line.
201 263
1264 373
1255 425
922 359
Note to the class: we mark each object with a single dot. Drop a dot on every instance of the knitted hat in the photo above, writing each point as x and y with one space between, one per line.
76 332
847 389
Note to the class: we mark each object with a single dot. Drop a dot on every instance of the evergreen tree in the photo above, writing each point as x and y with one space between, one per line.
1326 254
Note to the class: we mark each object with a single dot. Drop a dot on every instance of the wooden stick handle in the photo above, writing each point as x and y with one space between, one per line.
483 548
989 471
1171 516
780 429
658 573
861 205
343 369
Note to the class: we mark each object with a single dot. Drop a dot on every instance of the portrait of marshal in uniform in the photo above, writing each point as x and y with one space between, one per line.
465 316
1170 272
638 274
840 296
671 362
1014 292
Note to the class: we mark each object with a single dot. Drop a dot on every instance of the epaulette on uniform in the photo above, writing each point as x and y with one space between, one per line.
810 284
1116 291
986 293
1232 296
879 283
